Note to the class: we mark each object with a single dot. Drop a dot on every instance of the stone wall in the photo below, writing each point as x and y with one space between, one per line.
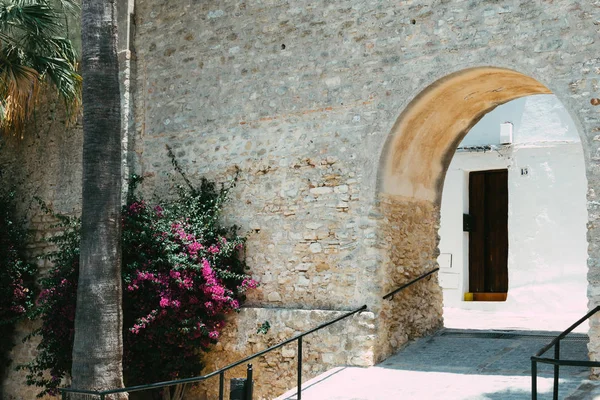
13 386
302 97
410 232
350 341
45 162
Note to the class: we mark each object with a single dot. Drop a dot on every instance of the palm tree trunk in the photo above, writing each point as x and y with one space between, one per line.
98 346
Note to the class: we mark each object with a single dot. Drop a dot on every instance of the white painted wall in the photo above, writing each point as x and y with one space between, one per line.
547 213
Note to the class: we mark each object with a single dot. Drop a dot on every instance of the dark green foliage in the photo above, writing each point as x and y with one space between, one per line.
17 276
56 309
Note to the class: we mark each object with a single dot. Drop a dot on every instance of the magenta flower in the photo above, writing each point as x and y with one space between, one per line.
194 247
164 302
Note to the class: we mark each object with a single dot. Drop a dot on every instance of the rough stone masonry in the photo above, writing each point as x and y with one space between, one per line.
327 107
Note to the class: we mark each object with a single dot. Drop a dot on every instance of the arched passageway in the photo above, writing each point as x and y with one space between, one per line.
513 246
412 171
426 134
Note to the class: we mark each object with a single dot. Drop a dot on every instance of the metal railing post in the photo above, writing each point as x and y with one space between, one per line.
533 379
556 370
249 383
221 384
299 396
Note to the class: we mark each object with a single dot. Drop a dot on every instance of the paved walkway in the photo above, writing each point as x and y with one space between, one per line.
496 319
457 365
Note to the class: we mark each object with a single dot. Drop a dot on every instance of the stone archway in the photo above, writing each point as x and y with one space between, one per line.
427 132
412 170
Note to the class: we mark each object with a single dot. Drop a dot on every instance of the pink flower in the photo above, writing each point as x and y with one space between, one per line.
164 302
18 309
18 293
194 247
186 283
248 284
214 249
136 207
217 290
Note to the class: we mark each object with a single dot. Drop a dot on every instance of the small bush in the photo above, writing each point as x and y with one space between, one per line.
182 273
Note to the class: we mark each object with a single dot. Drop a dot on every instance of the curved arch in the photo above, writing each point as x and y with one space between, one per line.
433 124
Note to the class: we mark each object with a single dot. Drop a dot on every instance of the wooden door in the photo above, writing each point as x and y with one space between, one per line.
488 239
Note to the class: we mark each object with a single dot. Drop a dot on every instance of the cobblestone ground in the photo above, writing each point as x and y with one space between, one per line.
457 364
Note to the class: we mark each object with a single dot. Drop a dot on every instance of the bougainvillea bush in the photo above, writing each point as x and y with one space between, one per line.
182 273
17 275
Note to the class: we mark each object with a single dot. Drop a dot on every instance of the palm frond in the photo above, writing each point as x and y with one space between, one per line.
19 86
21 17
34 48
62 74
70 7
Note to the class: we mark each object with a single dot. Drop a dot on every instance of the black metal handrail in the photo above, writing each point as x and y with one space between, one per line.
393 292
221 372
556 361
